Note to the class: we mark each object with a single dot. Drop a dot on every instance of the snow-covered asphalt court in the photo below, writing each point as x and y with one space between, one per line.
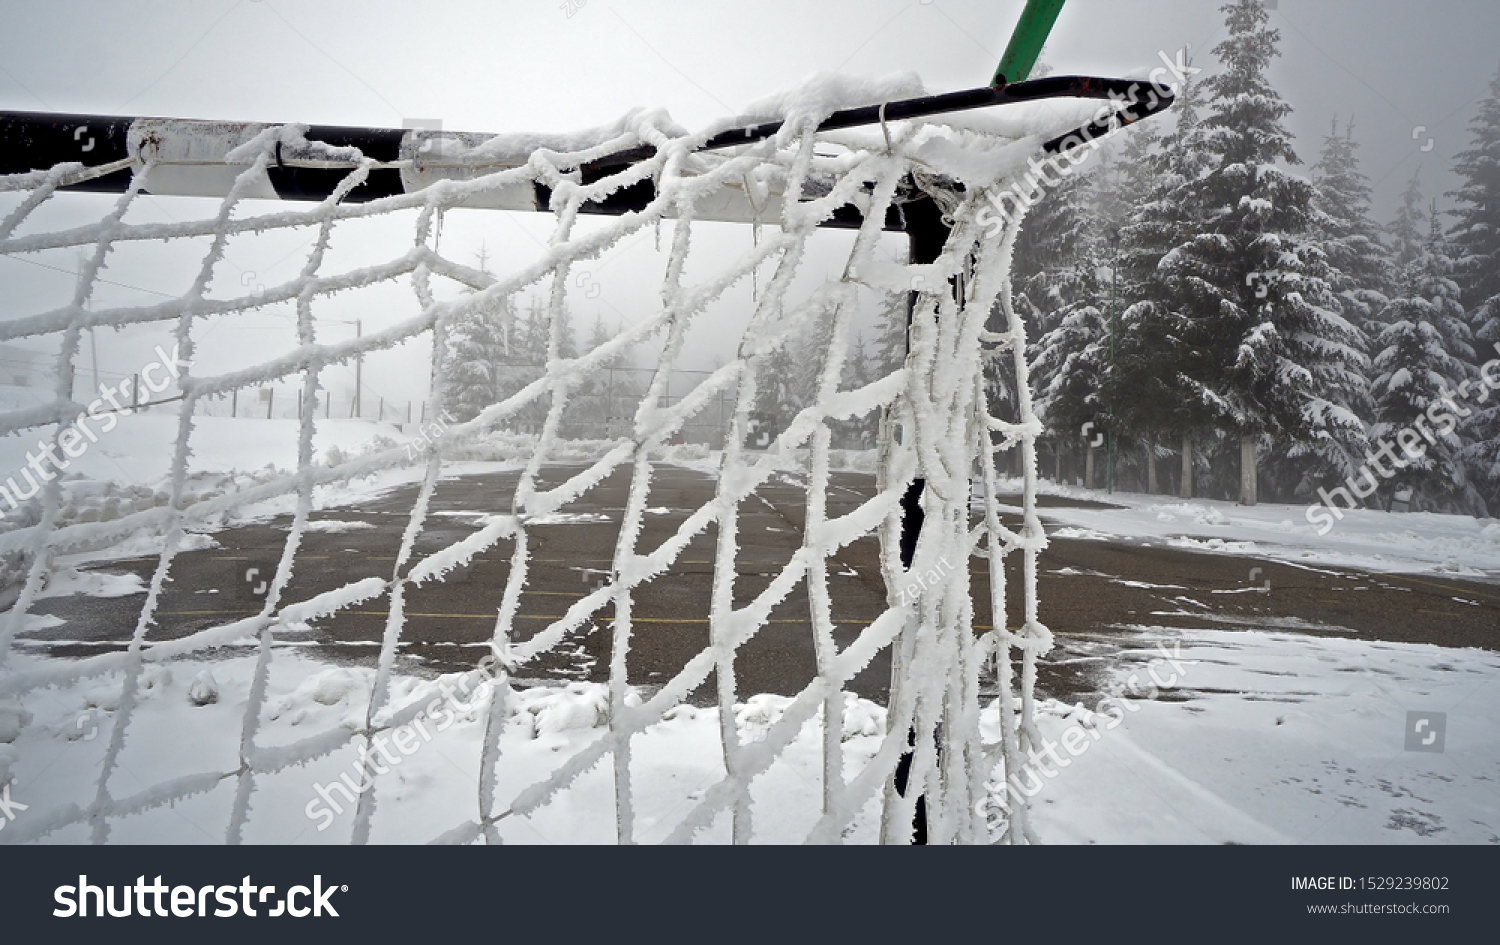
1266 737
1196 713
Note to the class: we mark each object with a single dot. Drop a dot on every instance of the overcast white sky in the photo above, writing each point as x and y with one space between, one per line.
529 65
533 65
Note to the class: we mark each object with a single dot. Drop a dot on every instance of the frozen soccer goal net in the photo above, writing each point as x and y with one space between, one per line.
858 549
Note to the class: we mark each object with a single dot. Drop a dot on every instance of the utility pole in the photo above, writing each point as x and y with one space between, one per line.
93 338
94 355
359 368
1114 285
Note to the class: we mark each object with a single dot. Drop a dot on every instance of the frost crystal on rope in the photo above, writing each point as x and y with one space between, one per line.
936 426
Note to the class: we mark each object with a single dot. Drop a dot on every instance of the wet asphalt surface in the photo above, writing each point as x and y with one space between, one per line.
1095 595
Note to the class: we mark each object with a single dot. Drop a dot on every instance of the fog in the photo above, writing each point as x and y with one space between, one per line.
1409 74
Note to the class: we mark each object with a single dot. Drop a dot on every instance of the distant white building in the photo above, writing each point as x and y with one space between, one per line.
21 367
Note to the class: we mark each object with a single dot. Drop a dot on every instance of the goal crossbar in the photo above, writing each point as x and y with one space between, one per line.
192 157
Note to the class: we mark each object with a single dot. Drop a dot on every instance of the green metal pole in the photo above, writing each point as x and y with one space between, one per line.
1027 41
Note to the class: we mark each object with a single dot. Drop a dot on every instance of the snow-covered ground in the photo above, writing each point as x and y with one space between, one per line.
1457 545
1283 738
55 760
1258 738
139 449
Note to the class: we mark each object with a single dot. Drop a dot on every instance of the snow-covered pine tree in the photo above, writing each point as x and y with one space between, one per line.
1052 251
1281 360
813 349
1157 341
777 400
1406 234
1126 171
479 346
1476 233
526 361
604 402
1053 239
857 433
1475 237
889 348
1424 353
1350 238
1069 365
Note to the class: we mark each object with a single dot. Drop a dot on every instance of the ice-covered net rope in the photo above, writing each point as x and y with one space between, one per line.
936 427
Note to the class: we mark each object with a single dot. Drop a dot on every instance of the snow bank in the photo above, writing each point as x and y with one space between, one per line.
189 720
128 470
502 446
1255 737
1416 543
139 450
20 398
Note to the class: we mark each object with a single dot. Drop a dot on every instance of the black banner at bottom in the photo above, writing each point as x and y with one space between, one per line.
297 894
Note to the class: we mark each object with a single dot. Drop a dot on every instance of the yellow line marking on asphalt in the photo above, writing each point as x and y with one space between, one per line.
277 554
666 620
393 558
1454 590
381 613
365 557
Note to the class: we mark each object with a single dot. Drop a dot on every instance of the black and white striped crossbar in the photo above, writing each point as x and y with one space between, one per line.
188 156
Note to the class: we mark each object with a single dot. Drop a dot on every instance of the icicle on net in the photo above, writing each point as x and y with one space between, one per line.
952 683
